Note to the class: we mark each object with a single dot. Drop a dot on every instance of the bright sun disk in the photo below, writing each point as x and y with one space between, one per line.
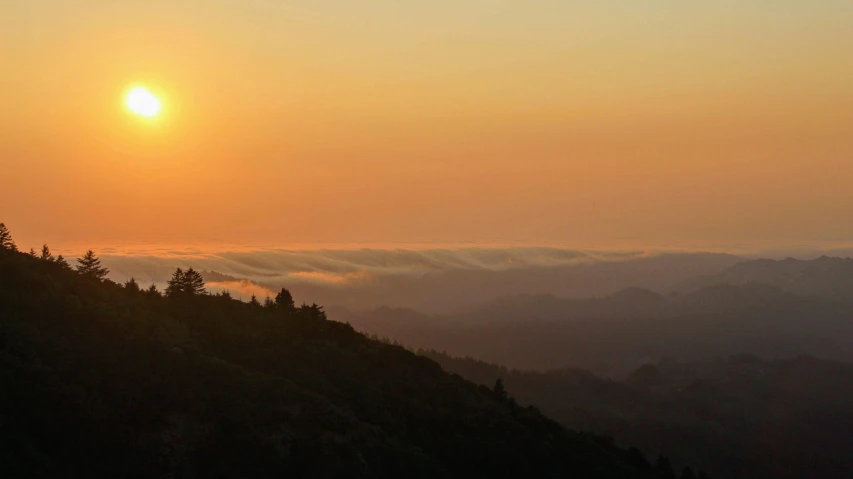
142 102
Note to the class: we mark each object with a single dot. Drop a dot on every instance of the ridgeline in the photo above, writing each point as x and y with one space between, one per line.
99 379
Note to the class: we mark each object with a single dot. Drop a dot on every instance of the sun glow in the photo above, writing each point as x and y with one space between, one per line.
142 102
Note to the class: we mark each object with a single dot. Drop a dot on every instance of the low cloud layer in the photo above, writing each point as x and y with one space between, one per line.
428 279
434 280
240 289
347 267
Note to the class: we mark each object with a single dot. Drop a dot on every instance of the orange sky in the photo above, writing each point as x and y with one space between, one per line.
428 121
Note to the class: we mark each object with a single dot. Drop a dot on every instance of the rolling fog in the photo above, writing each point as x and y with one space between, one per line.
428 280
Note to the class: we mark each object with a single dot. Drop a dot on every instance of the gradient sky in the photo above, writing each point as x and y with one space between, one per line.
548 121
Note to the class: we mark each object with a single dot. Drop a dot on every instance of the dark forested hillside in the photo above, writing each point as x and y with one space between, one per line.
103 380
738 417
616 334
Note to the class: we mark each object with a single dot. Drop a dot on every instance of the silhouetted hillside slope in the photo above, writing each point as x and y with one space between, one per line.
619 333
822 277
100 380
740 417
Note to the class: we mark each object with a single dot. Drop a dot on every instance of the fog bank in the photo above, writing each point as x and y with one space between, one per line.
430 280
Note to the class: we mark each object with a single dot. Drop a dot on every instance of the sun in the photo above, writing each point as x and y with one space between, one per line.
142 102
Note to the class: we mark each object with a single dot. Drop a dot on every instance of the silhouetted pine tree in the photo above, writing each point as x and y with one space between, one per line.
6 241
314 311
268 303
189 283
254 301
45 253
33 253
175 285
131 285
60 260
284 301
153 291
193 282
90 265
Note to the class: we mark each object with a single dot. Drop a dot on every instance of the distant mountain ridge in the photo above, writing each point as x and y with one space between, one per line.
789 418
434 281
824 277
619 332
624 304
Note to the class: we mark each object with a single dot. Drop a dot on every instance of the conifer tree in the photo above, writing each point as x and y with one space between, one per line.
152 290
175 285
33 253
45 253
254 301
189 283
268 303
193 282
131 285
284 301
60 260
6 241
90 265
314 311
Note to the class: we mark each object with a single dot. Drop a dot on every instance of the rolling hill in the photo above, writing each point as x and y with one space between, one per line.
103 380
824 277
735 417
616 334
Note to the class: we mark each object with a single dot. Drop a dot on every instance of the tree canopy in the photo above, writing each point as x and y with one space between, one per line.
185 283
90 265
131 285
107 381
6 241
284 300
60 260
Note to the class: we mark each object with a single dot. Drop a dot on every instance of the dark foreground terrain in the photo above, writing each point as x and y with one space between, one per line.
735 417
103 380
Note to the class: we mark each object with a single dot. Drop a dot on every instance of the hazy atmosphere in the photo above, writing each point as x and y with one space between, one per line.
446 239
385 122
432 279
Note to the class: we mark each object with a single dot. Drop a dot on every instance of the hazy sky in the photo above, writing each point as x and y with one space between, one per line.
557 121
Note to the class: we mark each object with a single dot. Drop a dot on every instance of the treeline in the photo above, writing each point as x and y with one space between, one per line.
108 380
181 284
88 265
